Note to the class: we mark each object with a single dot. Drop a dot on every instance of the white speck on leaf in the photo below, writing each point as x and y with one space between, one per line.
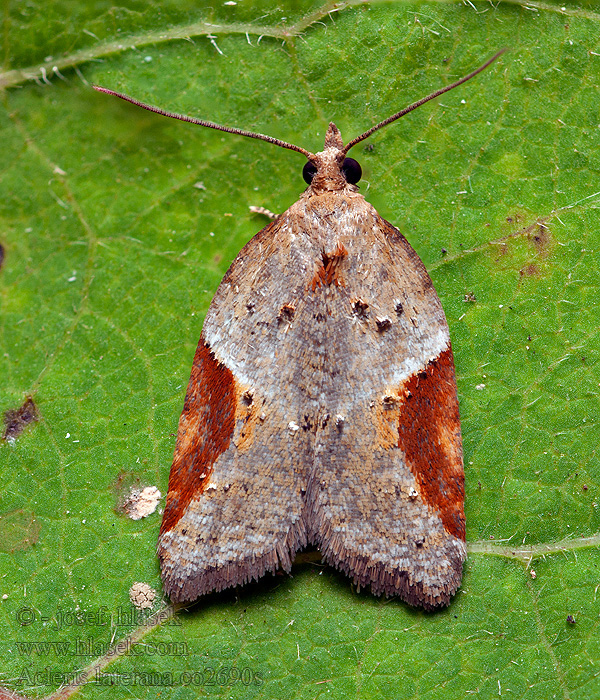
141 595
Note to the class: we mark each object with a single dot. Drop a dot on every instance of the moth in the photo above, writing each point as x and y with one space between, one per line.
322 405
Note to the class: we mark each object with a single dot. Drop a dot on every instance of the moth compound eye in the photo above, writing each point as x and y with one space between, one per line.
351 170
308 172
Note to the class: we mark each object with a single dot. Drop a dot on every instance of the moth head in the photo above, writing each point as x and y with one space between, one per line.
331 169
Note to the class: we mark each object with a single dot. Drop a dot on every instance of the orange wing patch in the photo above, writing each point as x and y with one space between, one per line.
205 430
429 435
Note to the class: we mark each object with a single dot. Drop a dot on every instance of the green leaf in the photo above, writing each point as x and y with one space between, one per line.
117 226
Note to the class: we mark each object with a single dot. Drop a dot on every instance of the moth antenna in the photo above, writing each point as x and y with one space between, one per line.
420 102
202 122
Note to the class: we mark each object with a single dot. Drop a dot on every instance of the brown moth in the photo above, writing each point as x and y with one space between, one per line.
322 404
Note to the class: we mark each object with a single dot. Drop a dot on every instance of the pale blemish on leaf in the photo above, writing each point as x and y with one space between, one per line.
141 502
19 530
